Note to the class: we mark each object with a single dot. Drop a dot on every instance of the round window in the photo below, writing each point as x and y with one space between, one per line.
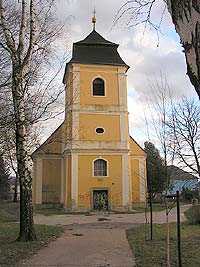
99 130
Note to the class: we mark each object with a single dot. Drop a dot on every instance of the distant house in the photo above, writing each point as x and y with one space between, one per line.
180 178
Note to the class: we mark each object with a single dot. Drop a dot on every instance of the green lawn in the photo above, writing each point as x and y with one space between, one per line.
11 251
153 253
9 211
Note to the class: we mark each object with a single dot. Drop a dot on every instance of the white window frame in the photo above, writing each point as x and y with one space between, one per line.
95 176
101 128
100 77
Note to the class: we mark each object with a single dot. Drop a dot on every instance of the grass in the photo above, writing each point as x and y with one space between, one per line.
9 211
153 253
57 211
156 207
11 251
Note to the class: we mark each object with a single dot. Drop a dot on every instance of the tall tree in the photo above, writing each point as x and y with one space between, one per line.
158 106
156 179
184 127
185 16
27 29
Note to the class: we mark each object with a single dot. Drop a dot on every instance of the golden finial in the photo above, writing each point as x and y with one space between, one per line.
94 19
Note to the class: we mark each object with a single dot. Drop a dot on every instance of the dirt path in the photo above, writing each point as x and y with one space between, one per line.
138 218
98 240
86 248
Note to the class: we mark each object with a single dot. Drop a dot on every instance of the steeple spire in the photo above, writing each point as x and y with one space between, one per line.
94 18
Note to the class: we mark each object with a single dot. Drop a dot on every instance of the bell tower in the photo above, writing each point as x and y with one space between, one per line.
97 120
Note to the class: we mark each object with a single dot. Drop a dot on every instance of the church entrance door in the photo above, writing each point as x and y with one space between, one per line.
100 199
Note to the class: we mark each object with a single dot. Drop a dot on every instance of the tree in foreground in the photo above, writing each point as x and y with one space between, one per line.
27 29
185 16
156 179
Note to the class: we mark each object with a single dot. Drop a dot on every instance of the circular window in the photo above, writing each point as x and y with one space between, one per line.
99 130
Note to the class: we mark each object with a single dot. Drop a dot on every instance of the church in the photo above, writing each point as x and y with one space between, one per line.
91 162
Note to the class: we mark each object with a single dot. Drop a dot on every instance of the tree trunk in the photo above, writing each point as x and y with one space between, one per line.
15 189
186 18
27 232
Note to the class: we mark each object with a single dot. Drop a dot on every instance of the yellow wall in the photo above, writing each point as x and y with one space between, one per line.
53 145
87 74
88 123
135 149
88 182
51 180
135 180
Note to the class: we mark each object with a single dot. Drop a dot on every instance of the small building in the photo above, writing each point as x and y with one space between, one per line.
180 178
90 162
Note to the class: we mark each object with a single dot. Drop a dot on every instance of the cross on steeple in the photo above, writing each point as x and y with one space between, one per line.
94 18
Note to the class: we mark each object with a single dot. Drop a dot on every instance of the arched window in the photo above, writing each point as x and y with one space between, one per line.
98 87
100 167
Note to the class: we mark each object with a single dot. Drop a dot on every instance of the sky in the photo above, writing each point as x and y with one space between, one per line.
149 54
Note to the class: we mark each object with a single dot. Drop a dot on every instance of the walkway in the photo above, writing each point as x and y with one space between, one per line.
98 240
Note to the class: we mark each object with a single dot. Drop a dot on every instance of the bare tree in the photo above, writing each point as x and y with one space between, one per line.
184 126
158 106
185 15
27 30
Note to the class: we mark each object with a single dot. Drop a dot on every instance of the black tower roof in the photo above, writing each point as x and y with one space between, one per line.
94 49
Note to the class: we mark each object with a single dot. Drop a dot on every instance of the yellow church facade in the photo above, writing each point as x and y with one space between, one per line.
90 162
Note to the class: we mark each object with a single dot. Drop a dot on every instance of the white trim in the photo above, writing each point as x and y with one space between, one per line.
123 127
100 71
74 179
76 94
102 66
138 157
91 92
122 89
125 180
66 179
99 108
96 153
100 128
101 145
38 199
62 182
75 126
100 157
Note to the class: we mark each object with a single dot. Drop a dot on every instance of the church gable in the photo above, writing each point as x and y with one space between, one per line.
136 149
53 145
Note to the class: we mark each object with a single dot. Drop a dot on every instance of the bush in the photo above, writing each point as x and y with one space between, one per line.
193 215
187 194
